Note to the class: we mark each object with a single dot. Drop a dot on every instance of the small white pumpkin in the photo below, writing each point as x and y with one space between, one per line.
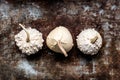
89 41
29 40
60 40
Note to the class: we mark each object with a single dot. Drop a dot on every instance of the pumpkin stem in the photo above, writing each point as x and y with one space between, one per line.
62 49
93 40
28 36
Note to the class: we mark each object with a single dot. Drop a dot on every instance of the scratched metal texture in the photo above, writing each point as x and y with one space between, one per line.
45 15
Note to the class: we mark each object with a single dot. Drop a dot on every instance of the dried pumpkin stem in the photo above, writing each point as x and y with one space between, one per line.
93 40
62 49
28 36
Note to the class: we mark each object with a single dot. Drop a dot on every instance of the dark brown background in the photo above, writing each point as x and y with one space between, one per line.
45 15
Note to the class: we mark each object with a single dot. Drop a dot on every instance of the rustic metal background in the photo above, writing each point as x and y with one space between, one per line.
45 15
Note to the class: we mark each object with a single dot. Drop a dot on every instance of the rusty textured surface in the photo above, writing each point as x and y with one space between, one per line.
103 15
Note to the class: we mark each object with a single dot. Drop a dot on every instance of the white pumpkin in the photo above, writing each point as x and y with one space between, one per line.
29 40
89 41
60 40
